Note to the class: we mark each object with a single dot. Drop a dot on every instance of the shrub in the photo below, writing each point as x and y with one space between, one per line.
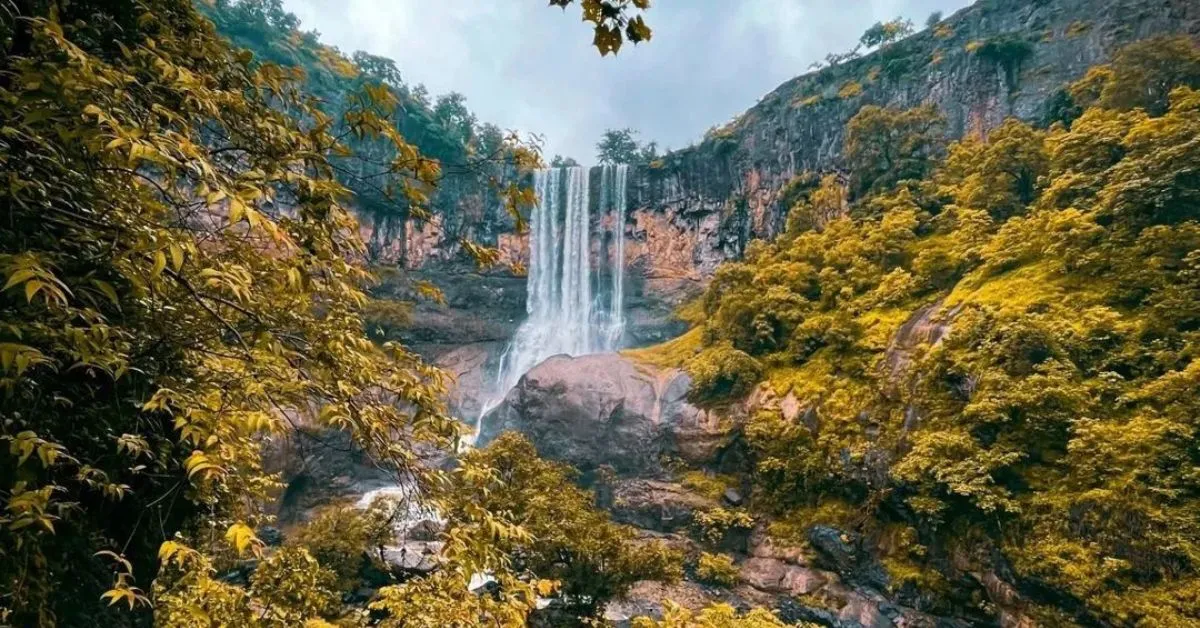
717 569
565 537
721 373
850 89
1006 51
714 523
292 586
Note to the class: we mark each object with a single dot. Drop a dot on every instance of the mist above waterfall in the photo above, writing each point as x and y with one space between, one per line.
574 307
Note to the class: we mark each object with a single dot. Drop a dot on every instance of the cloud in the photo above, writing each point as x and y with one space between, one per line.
528 67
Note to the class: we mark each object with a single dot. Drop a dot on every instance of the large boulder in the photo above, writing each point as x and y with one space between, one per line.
776 576
654 505
608 410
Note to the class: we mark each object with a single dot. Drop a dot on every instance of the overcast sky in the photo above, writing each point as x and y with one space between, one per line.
525 66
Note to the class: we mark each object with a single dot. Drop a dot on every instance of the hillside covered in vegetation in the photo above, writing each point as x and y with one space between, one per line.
988 352
184 286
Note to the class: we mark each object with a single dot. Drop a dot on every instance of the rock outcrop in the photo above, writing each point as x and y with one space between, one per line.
472 369
654 505
607 410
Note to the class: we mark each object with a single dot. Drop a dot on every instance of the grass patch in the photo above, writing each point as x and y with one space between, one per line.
817 378
670 354
710 485
880 326
1041 284
717 569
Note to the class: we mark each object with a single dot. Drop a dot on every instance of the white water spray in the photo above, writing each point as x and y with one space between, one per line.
563 317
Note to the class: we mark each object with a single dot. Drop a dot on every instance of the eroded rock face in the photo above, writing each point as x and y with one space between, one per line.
697 207
606 410
472 368
478 307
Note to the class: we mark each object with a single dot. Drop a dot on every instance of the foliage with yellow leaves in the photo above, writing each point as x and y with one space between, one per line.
182 280
991 350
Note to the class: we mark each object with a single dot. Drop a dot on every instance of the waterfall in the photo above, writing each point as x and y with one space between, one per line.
616 312
564 313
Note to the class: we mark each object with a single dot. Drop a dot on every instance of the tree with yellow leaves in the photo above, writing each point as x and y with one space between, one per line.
182 281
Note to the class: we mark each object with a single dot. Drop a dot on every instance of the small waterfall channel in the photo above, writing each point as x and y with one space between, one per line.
572 307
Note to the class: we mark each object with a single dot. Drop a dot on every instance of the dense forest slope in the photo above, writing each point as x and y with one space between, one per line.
470 201
472 155
697 207
981 368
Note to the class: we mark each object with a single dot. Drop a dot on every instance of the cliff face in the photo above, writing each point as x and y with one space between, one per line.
735 174
700 206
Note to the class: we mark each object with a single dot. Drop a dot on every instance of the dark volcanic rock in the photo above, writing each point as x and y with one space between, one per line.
842 553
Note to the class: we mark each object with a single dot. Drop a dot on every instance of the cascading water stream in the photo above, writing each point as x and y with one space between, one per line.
562 315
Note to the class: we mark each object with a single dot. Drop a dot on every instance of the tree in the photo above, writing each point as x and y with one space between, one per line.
618 146
378 69
1001 174
451 112
569 540
934 19
614 21
183 279
1145 72
162 312
648 153
884 146
563 162
884 33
